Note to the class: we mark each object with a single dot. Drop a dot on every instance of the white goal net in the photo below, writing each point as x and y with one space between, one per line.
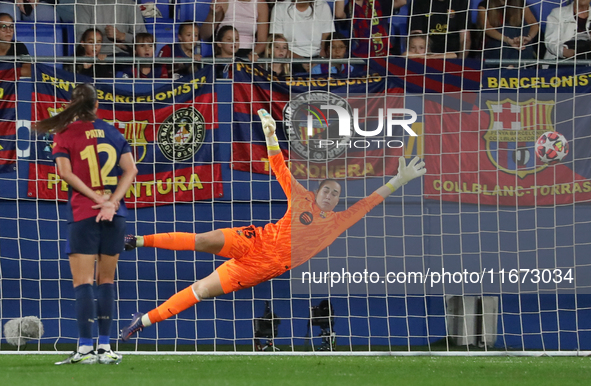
488 253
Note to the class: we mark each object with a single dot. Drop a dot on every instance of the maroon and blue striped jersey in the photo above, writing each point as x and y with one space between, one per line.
94 150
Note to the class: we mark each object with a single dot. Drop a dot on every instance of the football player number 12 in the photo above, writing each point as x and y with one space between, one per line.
89 154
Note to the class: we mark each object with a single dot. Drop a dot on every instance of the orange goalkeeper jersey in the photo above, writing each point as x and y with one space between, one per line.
306 230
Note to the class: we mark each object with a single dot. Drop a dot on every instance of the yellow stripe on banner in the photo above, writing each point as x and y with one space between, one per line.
1 148
417 127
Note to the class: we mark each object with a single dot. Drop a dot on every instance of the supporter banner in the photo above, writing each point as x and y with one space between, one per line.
481 150
169 126
7 126
296 104
423 76
10 71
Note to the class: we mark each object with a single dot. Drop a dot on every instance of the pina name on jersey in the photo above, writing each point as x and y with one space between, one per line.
95 133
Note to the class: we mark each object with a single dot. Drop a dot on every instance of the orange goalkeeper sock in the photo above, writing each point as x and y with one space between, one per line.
176 241
177 303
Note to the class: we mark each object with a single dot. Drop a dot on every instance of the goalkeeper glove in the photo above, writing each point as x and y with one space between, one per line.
269 128
406 173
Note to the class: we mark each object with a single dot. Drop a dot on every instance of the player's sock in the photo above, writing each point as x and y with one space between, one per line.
146 322
177 303
106 347
84 314
84 346
104 310
176 241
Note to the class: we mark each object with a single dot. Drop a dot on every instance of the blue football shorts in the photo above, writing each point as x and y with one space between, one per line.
91 238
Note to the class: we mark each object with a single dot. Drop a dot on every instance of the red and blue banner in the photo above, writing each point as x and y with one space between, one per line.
7 117
169 126
479 148
296 104
425 76
7 127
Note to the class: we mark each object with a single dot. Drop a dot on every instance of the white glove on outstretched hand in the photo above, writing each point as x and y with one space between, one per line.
269 128
407 173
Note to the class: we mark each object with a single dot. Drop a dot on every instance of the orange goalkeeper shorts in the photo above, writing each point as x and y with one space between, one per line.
251 259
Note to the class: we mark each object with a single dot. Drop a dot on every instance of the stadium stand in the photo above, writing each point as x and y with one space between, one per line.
191 10
163 33
41 39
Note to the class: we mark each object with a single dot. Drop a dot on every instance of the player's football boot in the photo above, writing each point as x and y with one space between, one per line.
83 359
130 242
135 326
108 357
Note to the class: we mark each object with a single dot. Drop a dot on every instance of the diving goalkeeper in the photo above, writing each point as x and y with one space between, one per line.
258 254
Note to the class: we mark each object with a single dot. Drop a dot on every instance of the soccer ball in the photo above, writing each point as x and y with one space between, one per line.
551 147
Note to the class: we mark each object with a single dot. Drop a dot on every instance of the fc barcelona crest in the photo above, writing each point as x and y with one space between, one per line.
512 132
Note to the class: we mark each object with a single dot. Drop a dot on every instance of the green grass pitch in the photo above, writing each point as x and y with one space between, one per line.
143 370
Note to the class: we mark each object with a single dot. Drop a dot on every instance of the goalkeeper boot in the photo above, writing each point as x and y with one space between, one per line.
135 326
108 357
130 242
76 357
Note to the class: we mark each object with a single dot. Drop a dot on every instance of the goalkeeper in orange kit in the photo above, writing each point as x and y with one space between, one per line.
258 254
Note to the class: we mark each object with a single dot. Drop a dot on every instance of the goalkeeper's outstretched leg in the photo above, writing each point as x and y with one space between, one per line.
208 242
203 289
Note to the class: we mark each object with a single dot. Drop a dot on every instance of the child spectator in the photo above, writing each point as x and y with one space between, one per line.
249 17
188 46
338 48
119 21
305 24
509 27
144 48
277 47
418 46
90 47
227 43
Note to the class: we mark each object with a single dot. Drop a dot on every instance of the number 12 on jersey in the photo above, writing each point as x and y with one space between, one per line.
90 155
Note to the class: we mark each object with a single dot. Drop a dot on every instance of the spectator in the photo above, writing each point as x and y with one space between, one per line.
369 25
188 46
305 24
338 48
567 30
144 48
118 20
506 36
445 22
9 47
90 47
29 10
418 46
249 17
277 47
227 43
